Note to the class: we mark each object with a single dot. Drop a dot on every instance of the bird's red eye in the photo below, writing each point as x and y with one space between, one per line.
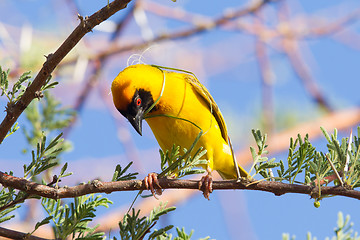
138 102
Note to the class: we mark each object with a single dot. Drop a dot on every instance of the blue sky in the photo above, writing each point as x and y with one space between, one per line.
224 61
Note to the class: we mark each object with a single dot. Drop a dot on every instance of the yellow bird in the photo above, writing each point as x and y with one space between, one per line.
182 106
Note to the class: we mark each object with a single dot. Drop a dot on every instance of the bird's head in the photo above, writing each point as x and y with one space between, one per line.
134 91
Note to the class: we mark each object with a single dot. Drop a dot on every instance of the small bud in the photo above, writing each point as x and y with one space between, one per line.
317 204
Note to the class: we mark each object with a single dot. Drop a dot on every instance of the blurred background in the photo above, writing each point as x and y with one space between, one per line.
285 67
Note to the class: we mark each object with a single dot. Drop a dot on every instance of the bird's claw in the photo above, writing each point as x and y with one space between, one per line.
205 185
149 181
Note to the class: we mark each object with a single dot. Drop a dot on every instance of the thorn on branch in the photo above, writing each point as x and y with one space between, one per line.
9 107
39 94
84 23
97 183
48 56
54 180
279 193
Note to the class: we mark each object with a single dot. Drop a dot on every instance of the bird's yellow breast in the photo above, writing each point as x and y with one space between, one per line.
180 116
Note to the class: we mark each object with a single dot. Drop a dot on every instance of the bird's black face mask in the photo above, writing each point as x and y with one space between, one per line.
140 103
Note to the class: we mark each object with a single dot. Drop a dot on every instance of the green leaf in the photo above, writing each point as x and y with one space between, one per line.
43 222
313 168
253 153
63 169
7 218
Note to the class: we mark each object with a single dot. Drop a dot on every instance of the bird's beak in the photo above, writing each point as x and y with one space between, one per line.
136 121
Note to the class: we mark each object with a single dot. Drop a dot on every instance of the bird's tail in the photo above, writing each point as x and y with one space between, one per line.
242 172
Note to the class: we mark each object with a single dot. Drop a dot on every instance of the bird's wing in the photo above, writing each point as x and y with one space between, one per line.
203 92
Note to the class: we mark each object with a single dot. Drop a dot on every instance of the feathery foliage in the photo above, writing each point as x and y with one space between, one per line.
135 227
175 165
72 220
13 94
44 157
340 165
46 154
46 117
119 174
7 196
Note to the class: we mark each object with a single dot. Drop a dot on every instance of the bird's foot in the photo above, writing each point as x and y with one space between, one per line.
149 181
205 185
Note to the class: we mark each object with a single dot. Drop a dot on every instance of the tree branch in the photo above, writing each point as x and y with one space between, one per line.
222 20
278 188
4 232
85 26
